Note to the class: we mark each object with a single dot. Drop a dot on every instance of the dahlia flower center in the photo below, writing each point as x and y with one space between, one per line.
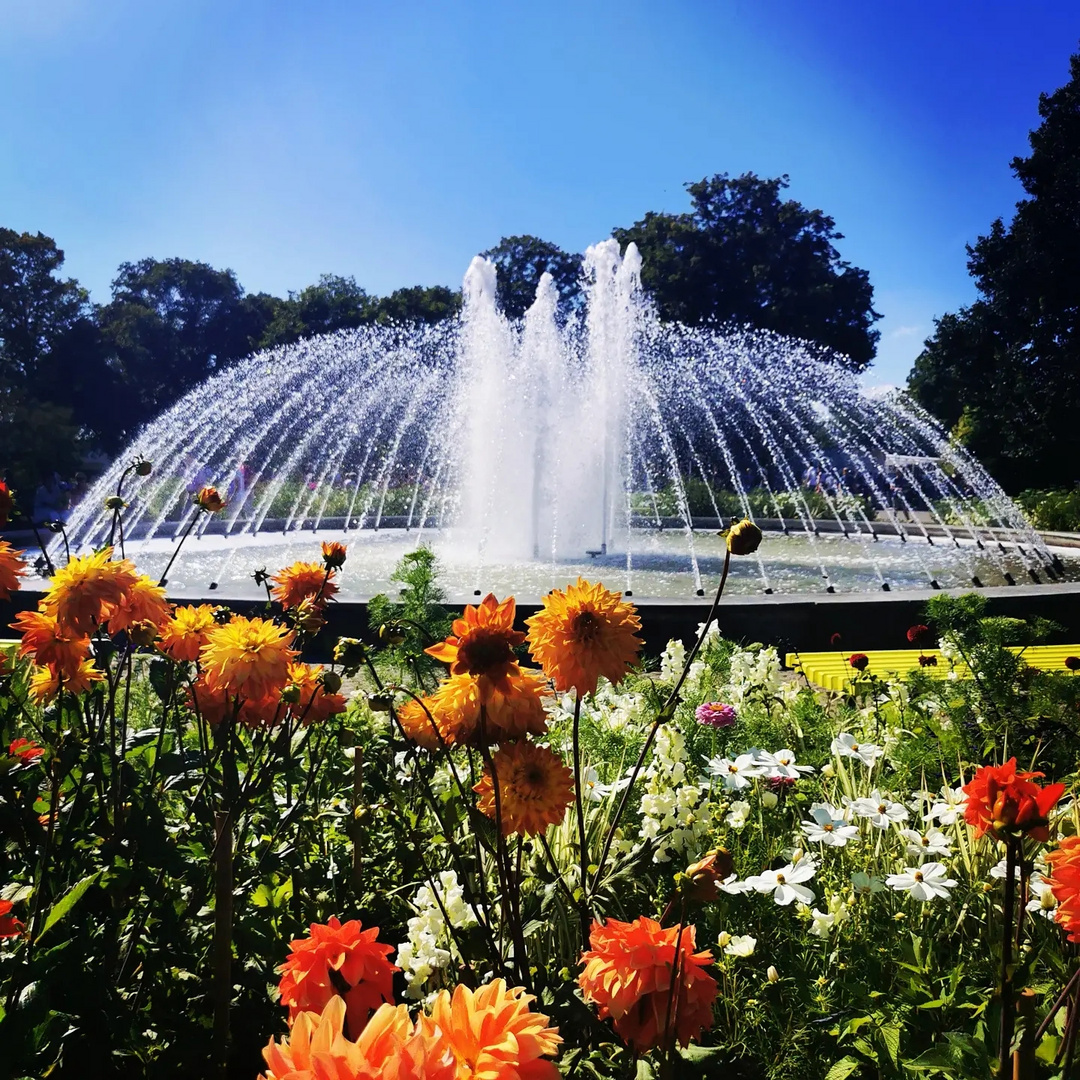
534 775
484 650
586 626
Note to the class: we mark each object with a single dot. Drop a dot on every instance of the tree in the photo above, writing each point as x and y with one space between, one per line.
520 261
1005 372
171 324
427 304
745 255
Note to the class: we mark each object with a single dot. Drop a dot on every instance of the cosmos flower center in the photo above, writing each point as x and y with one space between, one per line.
779 879
882 807
918 875
828 828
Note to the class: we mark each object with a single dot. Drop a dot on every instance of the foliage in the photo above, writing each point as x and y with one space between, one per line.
1002 371
1057 510
746 255
519 263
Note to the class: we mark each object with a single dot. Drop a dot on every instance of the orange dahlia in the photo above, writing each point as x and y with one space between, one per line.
514 708
414 719
628 975
184 634
303 581
12 567
338 958
314 703
492 1035
249 657
482 644
333 554
210 500
144 602
81 592
215 704
43 640
584 633
9 925
45 682
535 788
1064 882
1004 802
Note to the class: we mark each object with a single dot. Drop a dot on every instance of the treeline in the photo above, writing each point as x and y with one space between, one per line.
78 377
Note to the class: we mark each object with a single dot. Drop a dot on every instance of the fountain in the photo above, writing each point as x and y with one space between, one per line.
599 441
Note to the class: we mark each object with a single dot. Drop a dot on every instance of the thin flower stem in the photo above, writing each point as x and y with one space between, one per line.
583 853
665 713
1006 1029
673 994
555 869
163 580
1056 1007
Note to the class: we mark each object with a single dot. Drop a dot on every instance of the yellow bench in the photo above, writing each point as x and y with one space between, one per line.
832 670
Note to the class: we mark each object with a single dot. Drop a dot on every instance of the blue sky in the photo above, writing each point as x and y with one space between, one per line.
393 141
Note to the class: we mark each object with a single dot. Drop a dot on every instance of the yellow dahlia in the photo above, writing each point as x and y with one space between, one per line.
44 641
250 657
184 634
492 1035
81 592
515 708
535 788
482 644
303 581
215 704
313 704
46 681
144 602
584 633
12 567
416 724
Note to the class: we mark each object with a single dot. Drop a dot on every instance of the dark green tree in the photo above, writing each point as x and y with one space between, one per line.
420 303
1005 372
333 303
519 263
746 255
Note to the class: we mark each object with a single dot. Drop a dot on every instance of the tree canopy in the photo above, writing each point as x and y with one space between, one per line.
520 262
1005 371
745 254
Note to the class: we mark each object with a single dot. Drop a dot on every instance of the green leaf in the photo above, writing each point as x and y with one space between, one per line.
283 892
890 1036
843 1068
645 1070
66 903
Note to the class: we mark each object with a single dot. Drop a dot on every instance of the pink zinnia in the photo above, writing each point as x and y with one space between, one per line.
715 714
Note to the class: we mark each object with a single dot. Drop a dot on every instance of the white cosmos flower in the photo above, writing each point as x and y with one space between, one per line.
781 765
828 826
733 886
741 945
932 842
786 884
923 882
847 745
736 774
865 884
999 869
879 809
594 791
1042 900
949 807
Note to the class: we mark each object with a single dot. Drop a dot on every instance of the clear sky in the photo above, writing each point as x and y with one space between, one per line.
392 141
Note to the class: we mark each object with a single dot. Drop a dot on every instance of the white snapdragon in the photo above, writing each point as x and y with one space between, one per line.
923 882
828 826
675 813
754 672
846 745
430 947
932 842
786 884
879 810
738 815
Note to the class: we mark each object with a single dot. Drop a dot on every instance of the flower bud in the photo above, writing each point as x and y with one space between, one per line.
723 939
1072 663
769 799
142 633
703 878
331 682
349 652
743 538
333 554
772 974
291 694
380 702
309 615
143 467
859 661
392 633
114 502
827 770
209 500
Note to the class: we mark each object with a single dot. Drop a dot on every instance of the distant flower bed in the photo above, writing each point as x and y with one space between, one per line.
473 847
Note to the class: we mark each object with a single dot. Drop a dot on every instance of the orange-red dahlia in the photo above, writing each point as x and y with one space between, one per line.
482 644
314 704
45 682
247 657
12 567
215 704
514 709
1004 802
184 634
491 1033
303 581
337 956
210 500
81 593
333 554
144 602
9 925
25 750
584 633
47 644
535 788
628 975
1064 882
7 503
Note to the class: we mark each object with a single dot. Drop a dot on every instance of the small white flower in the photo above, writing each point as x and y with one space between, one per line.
736 774
780 765
738 815
865 884
741 945
822 923
769 799
1042 900
733 886
847 745
932 842
827 770
879 810
828 826
923 882
786 884
949 807
999 870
